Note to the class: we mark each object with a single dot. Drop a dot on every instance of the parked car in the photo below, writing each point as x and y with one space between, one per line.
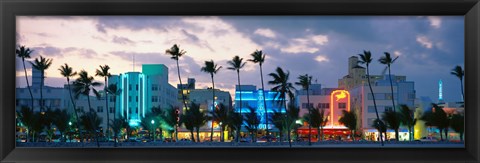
265 138
428 139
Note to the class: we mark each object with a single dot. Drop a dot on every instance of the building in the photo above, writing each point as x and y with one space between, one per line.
141 91
253 98
186 91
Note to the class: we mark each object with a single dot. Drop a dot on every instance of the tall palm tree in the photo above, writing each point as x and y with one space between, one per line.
23 53
41 64
392 120
236 64
387 60
316 118
103 72
349 119
459 73
117 126
457 123
251 123
170 118
115 91
27 118
259 57
200 118
176 53
188 120
305 81
67 72
91 122
366 58
380 126
221 116
408 119
282 86
235 121
83 85
211 68
292 116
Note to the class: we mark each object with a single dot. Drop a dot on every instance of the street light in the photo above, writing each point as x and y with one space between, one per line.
153 130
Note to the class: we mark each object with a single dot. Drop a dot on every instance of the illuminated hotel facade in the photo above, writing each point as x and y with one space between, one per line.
251 97
141 91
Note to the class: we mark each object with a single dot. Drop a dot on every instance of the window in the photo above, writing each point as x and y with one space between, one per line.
323 105
136 87
111 109
304 105
112 99
154 87
100 109
49 90
136 98
342 105
371 109
129 87
129 98
136 110
378 96
35 90
411 96
154 98
388 108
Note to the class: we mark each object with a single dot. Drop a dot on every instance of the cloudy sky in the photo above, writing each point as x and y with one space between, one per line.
428 46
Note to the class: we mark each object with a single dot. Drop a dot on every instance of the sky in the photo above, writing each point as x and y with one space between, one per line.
428 46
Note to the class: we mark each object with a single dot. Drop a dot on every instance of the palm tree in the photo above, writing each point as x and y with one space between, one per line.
349 119
305 81
220 115
146 123
117 126
392 120
188 120
459 73
366 58
380 126
439 118
176 53
91 122
41 64
60 119
211 68
235 121
283 87
457 123
67 72
291 117
82 86
236 64
23 53
316 118
103 72
47 120
113 90
170 118
278 120
408 119
387 60
251 123
259 57
27 118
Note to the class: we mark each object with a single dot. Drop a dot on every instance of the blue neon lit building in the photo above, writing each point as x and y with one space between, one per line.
251 97
142 91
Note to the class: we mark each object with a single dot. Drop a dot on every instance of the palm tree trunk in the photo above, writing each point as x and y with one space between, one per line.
198 134
28 85
41 92
108 110
461 85
181 85
391 88
288 136
213 106
264 104
441 135
374 103
192 136
240 90
396 134
353 135
319 138
309 120
75 110
91 122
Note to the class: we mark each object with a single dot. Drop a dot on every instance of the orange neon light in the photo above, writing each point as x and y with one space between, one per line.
339 94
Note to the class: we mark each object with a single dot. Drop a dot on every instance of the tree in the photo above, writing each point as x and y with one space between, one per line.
366 58
188 120
171 119
408 119
439 118
392 120
387 60
281 85
115 91
235 121
82 86
349 120
291 118
146 123
60 119
457 123
251 123
305 81
23 53
41 64
91 122
28 119
67 72
316 117
211 68
117 126
259 57
380 126
47 120
103 72
236 64
459 73
220 115
176 53
278 120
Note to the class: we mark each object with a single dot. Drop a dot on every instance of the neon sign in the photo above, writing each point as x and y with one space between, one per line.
338 95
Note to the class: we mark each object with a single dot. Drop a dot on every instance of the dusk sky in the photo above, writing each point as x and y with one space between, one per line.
428 46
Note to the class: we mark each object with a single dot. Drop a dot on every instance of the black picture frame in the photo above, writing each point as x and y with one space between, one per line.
10 8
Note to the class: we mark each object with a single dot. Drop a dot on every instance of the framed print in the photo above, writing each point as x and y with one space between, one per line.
239 81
